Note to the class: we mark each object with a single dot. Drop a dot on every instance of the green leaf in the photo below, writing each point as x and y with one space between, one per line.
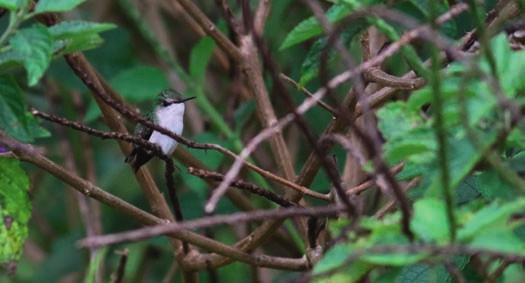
48 6
489 216
335 258
14 119
15 210
430 221
311 27
140 83
11 4
34 45
199 58
429 273
492 186
74 36
499 240
68 29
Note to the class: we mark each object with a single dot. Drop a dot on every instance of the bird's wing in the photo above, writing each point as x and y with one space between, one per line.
139 155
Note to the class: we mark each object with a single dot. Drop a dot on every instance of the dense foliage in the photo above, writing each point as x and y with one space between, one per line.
409 171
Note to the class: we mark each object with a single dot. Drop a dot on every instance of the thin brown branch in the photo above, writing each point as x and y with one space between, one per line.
209 27
261 14
29 154
365 185
118 275
231 219
243 185
382 78
309 94
493 276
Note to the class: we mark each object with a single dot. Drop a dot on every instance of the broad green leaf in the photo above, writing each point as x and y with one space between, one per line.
15 210
35 48
141 83
336 257
396 119
489 216
499 240
68 29
430 221
311 27
14 119
492 186
74 36
48 6
429 273
11 4
386 232
462 158
199 58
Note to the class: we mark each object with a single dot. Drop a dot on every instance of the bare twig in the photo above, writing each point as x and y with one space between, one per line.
240 217
309 94
118 275
209 27
243 185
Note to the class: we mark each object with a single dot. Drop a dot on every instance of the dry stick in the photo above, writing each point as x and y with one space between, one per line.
261 14
454 272
231 219
312 101
209 27
118 276
387 207
230 19
379 76
492 277
309 94
243 185
329 166
266 115
312 164
27 153
367 184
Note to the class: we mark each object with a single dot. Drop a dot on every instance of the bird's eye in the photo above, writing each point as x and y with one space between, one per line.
165 102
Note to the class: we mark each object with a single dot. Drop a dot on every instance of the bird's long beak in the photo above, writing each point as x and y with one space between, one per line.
185 99
175 101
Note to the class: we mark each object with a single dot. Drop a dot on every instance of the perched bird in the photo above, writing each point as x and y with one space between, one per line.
169 114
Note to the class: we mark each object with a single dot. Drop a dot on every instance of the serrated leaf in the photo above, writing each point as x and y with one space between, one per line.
141 83
34 45
15 210
14 119
199 58
74 36
49 6
430 221
311 27
67 29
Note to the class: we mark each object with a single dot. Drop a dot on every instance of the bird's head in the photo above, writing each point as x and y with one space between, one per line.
169 97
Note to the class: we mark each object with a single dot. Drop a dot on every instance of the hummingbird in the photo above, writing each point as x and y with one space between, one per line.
168 113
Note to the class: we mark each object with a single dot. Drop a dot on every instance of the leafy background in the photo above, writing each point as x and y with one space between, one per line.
127 47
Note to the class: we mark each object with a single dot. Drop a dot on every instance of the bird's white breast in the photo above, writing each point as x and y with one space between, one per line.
171 118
